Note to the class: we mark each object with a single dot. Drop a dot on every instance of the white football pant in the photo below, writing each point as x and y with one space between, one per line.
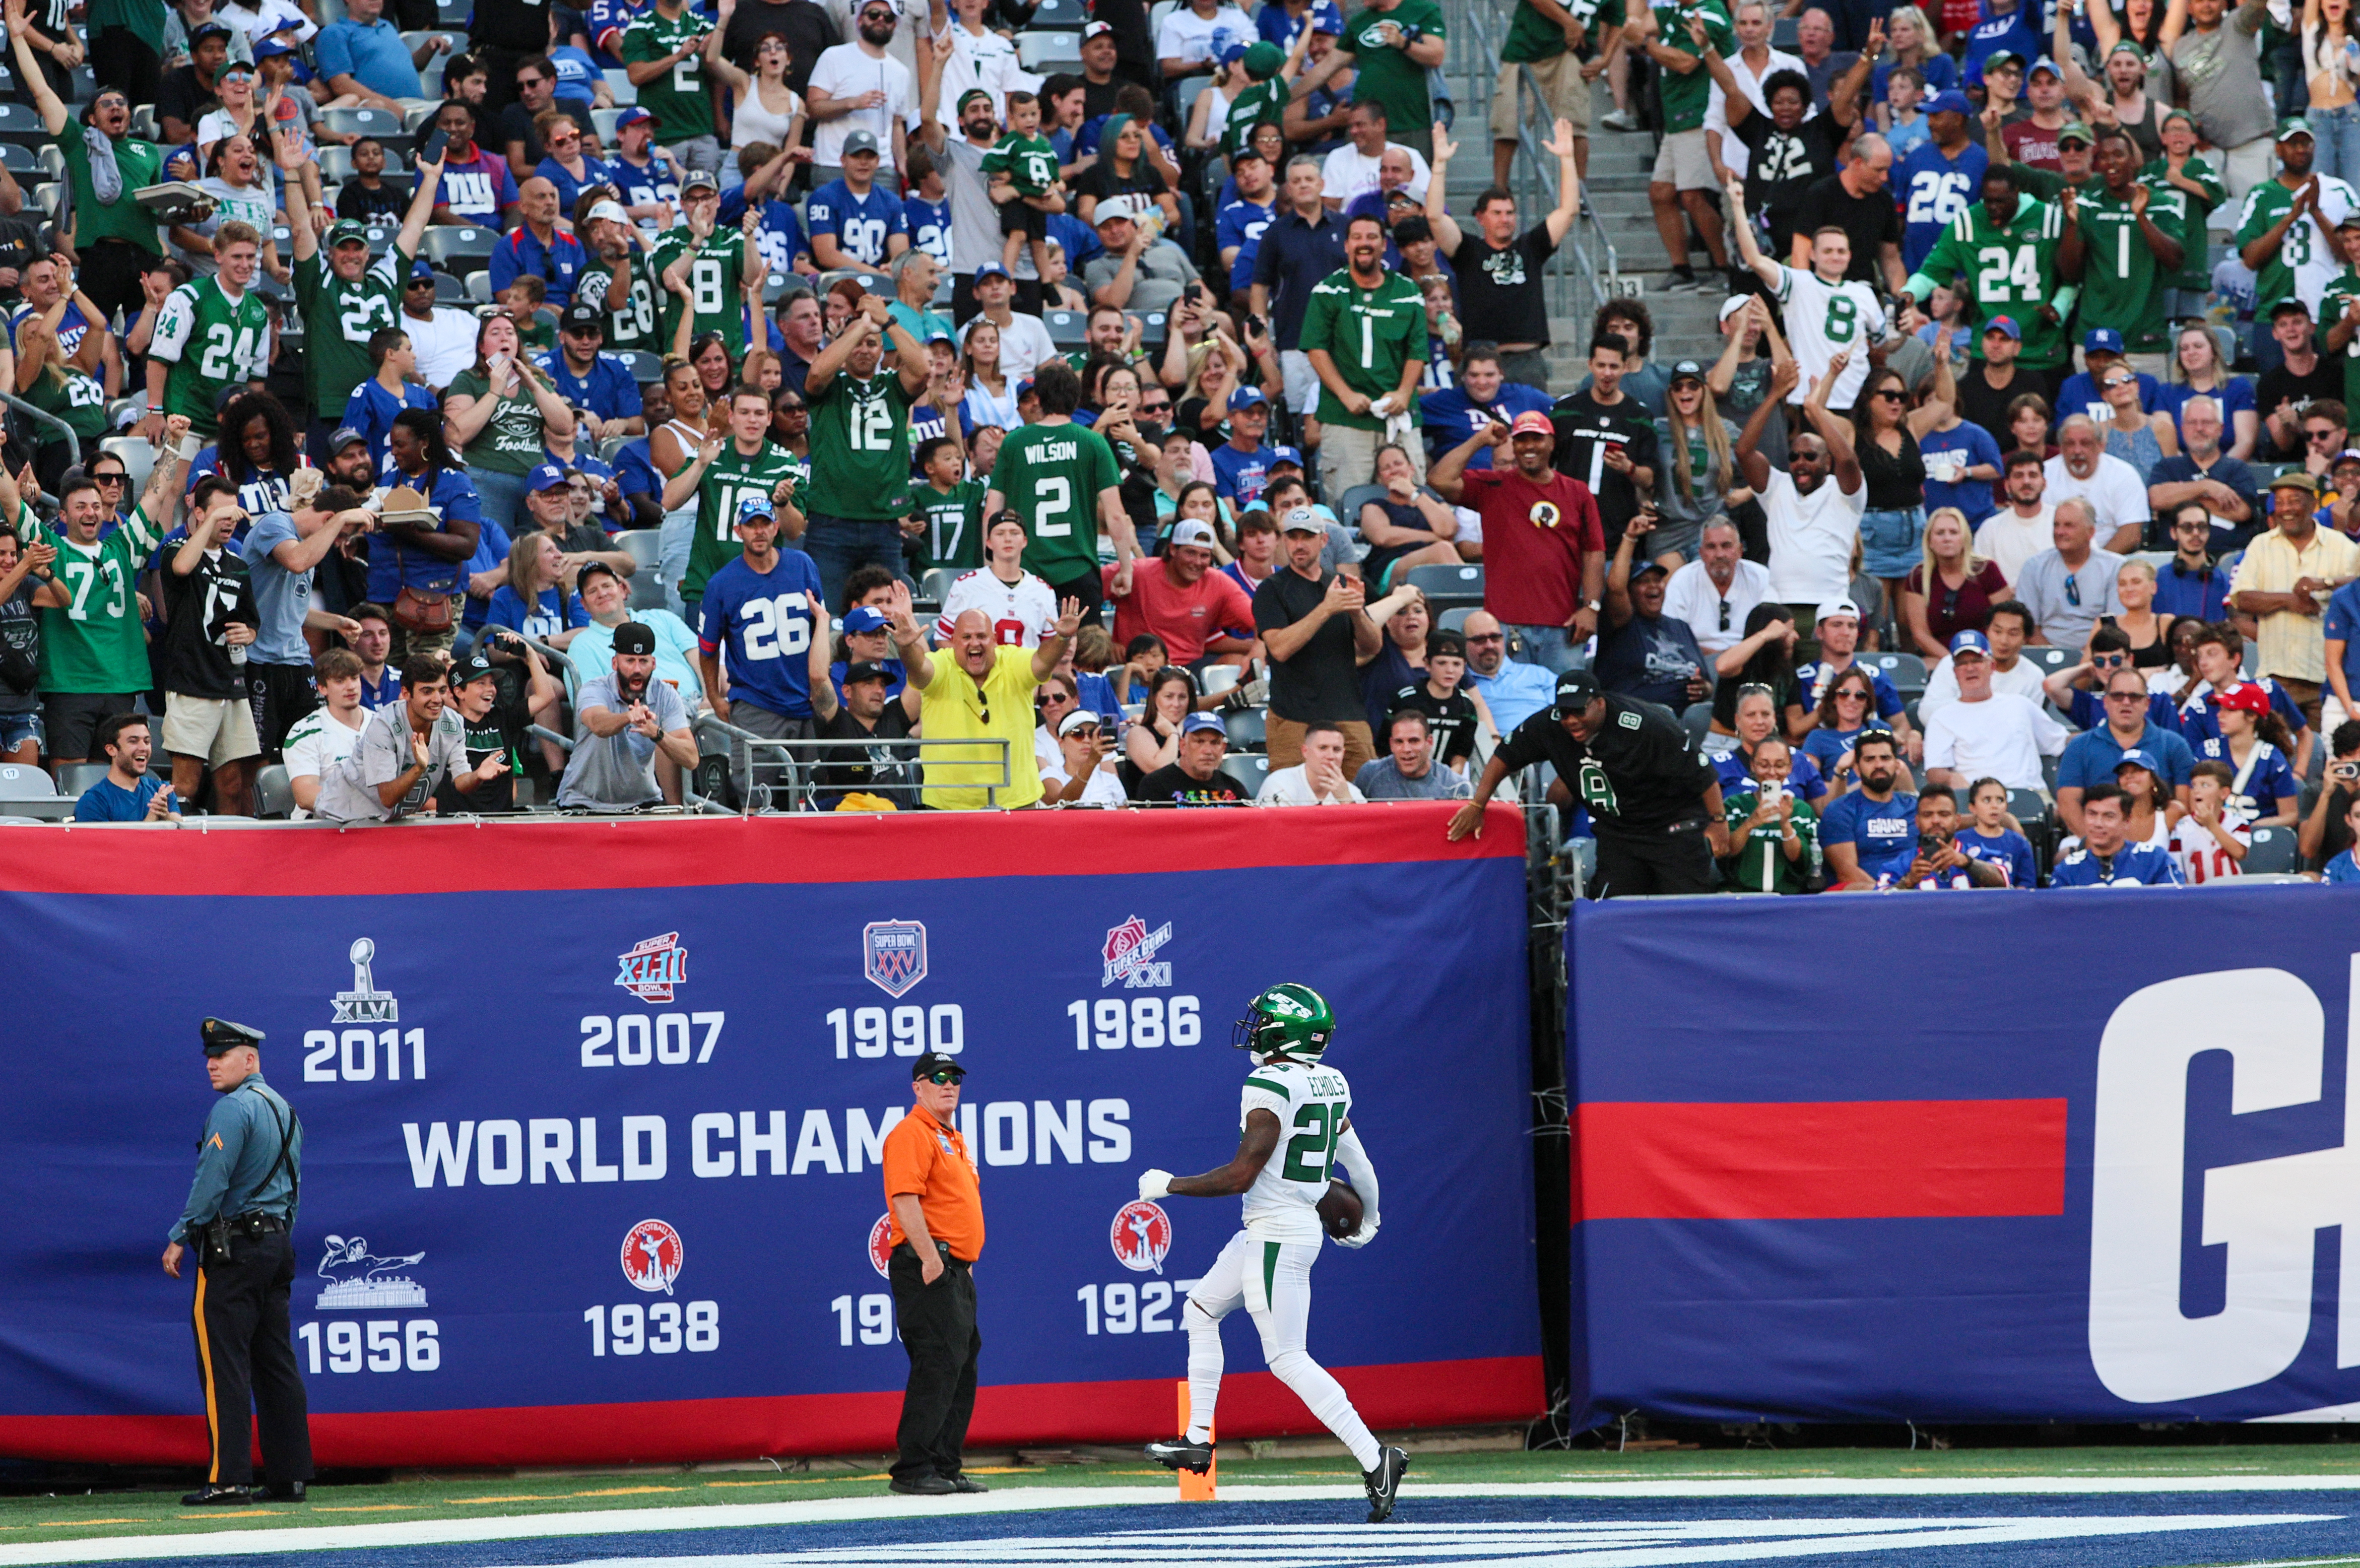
1272 1281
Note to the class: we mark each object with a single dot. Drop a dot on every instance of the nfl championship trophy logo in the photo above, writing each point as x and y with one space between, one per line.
652 969
893 954
1129 955
365 1003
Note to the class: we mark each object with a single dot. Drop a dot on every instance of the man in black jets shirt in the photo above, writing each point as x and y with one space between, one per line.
1653 799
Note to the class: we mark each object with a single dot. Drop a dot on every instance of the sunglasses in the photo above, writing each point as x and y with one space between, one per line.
107 478
2126 696
1494 637
2074 592
943 1075
1724 614
2321 434
2109 660
1841 696
1892 392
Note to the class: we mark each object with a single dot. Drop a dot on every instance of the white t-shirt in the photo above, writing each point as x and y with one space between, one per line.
989 63
1822 317
1287 786
2023 679
2008 541
1690 596
2003 738
445 343
1350 172
318 743
848 71
1195 39
1102 790
1024 343
2114 492
1811 538
1020 611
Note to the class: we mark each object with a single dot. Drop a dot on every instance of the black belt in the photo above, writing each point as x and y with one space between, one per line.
257 1224
943 1247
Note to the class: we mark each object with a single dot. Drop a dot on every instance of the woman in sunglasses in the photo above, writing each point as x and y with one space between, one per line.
1893 528
1846 709
2138 438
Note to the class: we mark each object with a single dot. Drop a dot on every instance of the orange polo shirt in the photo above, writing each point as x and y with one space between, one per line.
924 1158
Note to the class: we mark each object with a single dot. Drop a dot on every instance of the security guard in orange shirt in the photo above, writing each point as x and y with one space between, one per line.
936 1236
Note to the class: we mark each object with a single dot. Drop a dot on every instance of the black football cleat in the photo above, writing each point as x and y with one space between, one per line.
211 1495
286 1492
1179 1453
1385 1482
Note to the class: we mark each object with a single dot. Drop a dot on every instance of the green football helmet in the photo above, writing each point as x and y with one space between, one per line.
1287 1018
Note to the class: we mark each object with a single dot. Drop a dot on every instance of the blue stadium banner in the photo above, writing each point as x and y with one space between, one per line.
593 1115
2000 1157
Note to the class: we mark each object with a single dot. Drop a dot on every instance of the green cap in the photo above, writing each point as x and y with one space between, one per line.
2181 114
2293 125
1265 61
2074 130
972 94
345 229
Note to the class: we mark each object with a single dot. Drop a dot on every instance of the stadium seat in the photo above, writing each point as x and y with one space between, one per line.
458 39
49 198
646 368
2050 660
29 793
379 123
603 121
1696 717
21 123
1250 769
480 288
1906 670
75 777
2039 826
618 85
414 116
273 795
19 159
1248 730
612 445
449 290
2274 849
1219 678
458 249
1043 52
143 122
875 282
1067 329
1785 33
453 13
1064 16
1455 620
84 87
138 459
935 584
1448 588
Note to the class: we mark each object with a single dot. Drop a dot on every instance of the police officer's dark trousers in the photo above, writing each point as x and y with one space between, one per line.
247 1359
938 1330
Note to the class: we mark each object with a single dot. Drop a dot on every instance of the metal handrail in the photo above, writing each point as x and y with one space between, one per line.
802 777
42 416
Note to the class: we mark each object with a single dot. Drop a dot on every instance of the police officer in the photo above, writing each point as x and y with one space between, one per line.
240 1221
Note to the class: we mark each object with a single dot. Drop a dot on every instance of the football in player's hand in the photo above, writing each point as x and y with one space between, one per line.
1339 1210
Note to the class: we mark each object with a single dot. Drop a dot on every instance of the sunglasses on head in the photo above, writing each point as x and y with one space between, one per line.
1724 614
943 1075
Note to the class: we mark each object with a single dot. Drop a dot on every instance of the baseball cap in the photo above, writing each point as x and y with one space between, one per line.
473 667
2295 477
1647 569
344 438
2074 130
237 67
2102 340
2046 64
870 670
1532 422
698 177
631 116
972 94
1095 30
208 30
1732 304
1289 454
545 477
589 568
2349 454
1195 722
636 637
421 270
1265 61
754 505
2291 305
1301 519
1113 207
1248 397
934 1061
860 141
991 269
1446 644
1576 690
2245 696
1971 642
1234 53
347 229
2000 58
1950 103
610 211
1080 718
1688 370
1326 17
2125 45
1192 531
2293 125
2005 326
1834 609
863 618
2137 758
271 47
580 316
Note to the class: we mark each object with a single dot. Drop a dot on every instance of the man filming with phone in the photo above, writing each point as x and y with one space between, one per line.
1940 863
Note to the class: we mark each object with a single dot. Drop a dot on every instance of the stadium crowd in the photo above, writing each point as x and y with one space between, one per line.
607 392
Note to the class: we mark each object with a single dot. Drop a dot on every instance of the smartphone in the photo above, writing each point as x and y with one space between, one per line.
432 151
1929 845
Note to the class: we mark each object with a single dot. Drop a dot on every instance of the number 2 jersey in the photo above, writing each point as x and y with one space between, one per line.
210 341
1312 1103
2010 270
1824 317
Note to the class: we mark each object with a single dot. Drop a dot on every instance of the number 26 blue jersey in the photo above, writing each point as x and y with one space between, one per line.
768 621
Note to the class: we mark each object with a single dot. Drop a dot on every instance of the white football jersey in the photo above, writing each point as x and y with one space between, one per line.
1312 1103
1021 613
1824 317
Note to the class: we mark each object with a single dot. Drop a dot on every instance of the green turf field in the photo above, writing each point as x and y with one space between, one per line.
117 1513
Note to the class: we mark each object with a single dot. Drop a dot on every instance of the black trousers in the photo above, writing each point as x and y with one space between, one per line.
245 1360
1090 591
120 60
939 1330
1673 859
110 274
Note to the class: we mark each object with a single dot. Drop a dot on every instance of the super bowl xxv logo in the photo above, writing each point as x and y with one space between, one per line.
652 969
1142 1236
1129 952
652 1255
893 954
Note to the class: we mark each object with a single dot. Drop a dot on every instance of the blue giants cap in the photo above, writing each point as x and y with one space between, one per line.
1974 642
1286 454
631 116
1248 397
1951 103
2135 758
1197 721
2102 340
2005 326
863 618
756 506
422 268
991 269
545 477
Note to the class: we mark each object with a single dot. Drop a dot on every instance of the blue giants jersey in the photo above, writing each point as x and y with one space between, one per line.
859 223
2132 865
1933 190
930 225
1884 833
768 620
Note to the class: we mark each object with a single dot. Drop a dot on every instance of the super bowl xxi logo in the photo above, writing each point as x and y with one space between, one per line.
1129 955
652 969
1140 1236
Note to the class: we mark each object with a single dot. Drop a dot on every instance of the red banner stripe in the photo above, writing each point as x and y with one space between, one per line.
1870 1160
1253 1404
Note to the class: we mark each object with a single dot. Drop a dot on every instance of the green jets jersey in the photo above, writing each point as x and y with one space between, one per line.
2010 270
2195 270
74 398
2304 261
731 479
1371 333
1262 104
339 319
1532 36
1687 96
677 98
954 535
1029 163
2123 280
860 448
1761 864
210 341
716 286
2333 304
1312 1102
1051 475
629 304
95 643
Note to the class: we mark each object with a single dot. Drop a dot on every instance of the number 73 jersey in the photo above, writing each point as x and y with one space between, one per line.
1312 1103
210 341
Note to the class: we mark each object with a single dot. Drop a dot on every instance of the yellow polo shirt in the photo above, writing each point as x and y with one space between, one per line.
951 706
2290 644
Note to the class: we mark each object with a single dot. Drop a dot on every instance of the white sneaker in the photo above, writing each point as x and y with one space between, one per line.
1619 120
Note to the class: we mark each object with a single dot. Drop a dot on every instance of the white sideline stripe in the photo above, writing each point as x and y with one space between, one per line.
842 1510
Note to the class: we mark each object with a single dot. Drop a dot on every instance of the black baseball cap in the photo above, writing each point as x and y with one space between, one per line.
1449 644
220 1035
473 667
1576 690
577 317
636 637
582 581
867 670
933 1062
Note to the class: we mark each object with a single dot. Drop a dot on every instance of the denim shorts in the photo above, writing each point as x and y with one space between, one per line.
1889 540
16 728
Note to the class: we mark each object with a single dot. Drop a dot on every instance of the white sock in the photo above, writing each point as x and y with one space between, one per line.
1204 1374
1318 1388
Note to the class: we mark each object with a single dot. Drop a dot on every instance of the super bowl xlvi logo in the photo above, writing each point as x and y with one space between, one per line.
365 1003
1140 1236
652 1255
893 954
651 969
2259 1218
1130 951
358 1278
881 1247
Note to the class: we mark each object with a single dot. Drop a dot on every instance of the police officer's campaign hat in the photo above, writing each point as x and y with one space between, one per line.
220 1035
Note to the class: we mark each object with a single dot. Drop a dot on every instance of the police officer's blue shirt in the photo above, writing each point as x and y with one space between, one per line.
1882 833
2132 865
607 391
238 1150
766 621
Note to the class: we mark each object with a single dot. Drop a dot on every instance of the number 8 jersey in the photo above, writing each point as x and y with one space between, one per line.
1312 1103
210 341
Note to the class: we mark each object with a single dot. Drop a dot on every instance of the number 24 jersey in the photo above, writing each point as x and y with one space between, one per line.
210 341
1312 1103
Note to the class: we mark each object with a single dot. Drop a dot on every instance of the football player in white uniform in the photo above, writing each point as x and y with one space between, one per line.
1297 1122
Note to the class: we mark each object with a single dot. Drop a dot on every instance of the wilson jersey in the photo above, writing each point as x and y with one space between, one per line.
1312 1103
2010 270
676 99
2305 261
2122 280
1824 317
210 341
1020 612
731 479
339 319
